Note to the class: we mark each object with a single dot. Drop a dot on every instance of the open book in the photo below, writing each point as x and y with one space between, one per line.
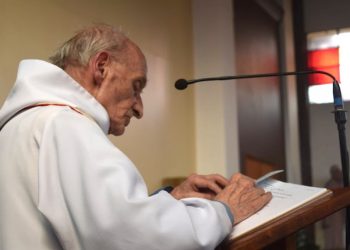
285 198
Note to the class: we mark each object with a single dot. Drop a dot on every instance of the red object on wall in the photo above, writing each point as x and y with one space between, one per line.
325 60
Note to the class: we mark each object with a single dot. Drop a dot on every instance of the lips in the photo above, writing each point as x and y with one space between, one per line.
127 121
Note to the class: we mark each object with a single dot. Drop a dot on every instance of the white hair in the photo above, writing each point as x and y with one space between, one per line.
88 42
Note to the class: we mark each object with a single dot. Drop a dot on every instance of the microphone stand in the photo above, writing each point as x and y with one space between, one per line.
339 117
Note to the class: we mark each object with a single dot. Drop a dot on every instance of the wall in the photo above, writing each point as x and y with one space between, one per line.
182 131
216 124
324 141
162 143
325 149
289 97
322 15
215 102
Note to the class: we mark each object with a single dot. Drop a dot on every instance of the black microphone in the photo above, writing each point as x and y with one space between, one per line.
181 84
337 97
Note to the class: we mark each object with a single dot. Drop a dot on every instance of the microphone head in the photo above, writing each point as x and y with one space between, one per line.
181 84
337 97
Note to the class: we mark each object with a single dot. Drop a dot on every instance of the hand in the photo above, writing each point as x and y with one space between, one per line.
243 198
200 186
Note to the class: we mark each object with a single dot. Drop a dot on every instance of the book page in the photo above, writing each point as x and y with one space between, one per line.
285 197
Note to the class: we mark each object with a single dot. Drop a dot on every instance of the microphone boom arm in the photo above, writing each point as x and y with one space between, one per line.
253 76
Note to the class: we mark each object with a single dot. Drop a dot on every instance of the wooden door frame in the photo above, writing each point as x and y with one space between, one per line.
300 44
275 12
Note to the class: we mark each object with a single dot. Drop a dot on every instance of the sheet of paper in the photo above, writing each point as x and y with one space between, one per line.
285 197
268 175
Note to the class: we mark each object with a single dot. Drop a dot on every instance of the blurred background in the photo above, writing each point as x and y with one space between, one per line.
249 126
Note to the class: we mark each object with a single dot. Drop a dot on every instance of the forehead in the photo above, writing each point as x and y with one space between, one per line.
136 63
137 58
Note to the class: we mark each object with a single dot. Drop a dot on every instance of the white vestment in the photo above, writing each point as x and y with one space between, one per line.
64 185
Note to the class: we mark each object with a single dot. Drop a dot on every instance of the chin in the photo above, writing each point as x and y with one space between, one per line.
117 132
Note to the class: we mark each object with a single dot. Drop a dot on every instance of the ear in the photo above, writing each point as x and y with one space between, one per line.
100 62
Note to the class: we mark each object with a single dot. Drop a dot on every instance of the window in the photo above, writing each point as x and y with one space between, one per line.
329 51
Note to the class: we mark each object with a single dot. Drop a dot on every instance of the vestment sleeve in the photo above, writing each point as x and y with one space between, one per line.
94 197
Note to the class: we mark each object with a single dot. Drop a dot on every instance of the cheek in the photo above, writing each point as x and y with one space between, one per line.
118 100
118 103
119 109
123 98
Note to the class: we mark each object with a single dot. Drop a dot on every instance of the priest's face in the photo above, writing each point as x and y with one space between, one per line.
120 91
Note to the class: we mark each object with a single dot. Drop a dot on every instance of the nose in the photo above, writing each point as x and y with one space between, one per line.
138 107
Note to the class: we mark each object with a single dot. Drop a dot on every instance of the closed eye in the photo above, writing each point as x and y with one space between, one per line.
139 85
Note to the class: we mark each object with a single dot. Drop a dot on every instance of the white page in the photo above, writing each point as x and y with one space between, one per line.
268 175
285 197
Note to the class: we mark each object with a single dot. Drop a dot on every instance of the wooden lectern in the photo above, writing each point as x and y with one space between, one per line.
273 235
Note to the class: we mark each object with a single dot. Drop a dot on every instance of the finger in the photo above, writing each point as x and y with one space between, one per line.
243 180
219 179
252 207
261 201
238 177
203 183
233 193
226 193
235 177
213 186
252 194
258 203
239 193
207 196
230 188
247 183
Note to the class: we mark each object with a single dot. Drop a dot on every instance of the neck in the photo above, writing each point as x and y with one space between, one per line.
81 75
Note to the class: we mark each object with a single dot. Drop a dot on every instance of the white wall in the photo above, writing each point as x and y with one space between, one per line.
215 102
162 143
324 141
